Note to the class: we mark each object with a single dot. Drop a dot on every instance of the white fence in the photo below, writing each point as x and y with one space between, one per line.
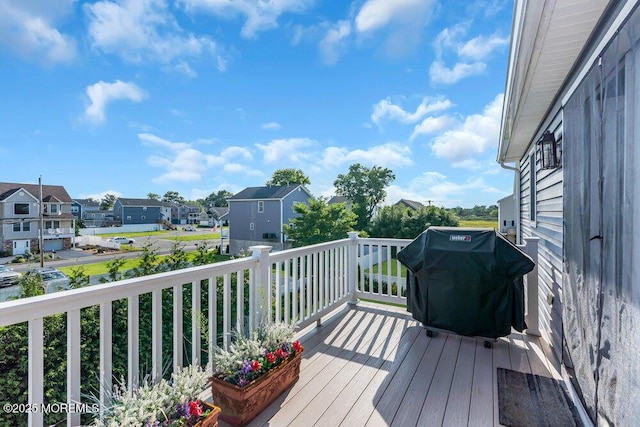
128 228
96 241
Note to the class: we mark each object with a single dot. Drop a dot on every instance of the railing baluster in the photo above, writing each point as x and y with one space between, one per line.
178 327
156 335
322 266
252 299
196 298
106 355
226 310
309 286
73 364
389 268
379 251
287 292
133 334
213 316
240 301
36 369
278 287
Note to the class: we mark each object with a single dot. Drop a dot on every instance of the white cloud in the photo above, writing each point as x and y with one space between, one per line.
470 56
271 126
479 48
432 125
235 152
333 43
387 155
402 22
144 31
440 73
294 150
29 29
471 138
238 168
387 109
98 196
102 93
260 15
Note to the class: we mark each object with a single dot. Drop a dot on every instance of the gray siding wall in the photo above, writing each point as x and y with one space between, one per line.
243 213
151 215
547 225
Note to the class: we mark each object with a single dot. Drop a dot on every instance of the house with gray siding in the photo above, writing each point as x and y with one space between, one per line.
140 211
257 214
21 219
570 131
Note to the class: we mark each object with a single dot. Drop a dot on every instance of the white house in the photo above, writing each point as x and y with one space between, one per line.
572 96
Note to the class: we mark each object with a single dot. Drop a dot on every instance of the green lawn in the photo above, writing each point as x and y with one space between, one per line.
479 223
394 269
101 267
193 237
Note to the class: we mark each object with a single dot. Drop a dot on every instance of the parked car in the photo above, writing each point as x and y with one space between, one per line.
189 228
53 279
125 240
8 277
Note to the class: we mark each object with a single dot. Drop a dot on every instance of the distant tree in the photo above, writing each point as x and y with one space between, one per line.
153 196
365 189
107 202
319 222
288 177
402 222
218 199
173 197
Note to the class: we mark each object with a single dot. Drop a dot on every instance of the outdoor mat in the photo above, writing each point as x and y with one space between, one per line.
532 400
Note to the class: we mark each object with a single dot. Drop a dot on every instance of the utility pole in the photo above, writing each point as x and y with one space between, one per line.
41 227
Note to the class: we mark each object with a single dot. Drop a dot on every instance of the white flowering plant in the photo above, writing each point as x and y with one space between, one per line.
250 357
165 403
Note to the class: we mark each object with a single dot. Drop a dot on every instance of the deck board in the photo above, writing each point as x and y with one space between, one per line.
375 366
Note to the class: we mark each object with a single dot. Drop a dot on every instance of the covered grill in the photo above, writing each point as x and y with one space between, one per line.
466 280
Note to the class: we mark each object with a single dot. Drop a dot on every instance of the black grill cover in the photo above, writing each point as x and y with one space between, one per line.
466 280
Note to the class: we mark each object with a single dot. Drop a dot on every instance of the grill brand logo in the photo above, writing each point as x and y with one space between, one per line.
460 238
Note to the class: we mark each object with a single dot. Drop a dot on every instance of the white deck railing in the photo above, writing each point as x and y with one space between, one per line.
297 285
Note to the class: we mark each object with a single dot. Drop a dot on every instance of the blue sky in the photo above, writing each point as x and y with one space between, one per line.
195 96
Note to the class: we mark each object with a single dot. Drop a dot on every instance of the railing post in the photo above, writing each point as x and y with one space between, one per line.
260 291
353 268
531 315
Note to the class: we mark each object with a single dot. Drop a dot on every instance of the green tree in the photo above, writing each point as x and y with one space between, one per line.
288 176
107 202
153 196
402 222
173 197
218 199
365 189
319 222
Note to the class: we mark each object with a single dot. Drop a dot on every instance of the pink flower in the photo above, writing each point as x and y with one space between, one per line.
271 358
255 366
281 353
195 408
297 346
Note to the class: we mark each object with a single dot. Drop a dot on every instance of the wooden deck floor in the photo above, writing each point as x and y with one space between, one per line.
375 366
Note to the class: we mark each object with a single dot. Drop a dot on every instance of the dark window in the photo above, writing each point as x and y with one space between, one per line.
21 209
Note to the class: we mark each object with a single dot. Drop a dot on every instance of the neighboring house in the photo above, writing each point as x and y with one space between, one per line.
20 218
139 211
257 214
573 71
348 204
88 210
185 213
506 215
219 214
410 204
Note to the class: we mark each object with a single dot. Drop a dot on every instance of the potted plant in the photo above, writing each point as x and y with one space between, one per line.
165 403
255 371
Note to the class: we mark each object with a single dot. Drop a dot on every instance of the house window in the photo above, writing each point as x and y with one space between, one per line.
532 187
52 224
21 209
252 226
26 226
54 208
260 206
16 227
74 209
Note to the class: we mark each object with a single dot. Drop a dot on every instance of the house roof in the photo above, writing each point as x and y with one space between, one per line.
544 48
141 202
87 202
337 199
219 210
410 203
49 192
267 192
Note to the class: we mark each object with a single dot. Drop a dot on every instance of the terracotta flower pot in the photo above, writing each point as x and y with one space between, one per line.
212 419
240 405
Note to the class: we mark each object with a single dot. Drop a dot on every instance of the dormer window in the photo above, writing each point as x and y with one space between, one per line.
53 208
21 209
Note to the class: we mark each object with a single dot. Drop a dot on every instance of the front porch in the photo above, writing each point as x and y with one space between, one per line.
366 363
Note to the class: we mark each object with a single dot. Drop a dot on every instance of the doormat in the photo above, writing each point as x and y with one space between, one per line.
533 400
